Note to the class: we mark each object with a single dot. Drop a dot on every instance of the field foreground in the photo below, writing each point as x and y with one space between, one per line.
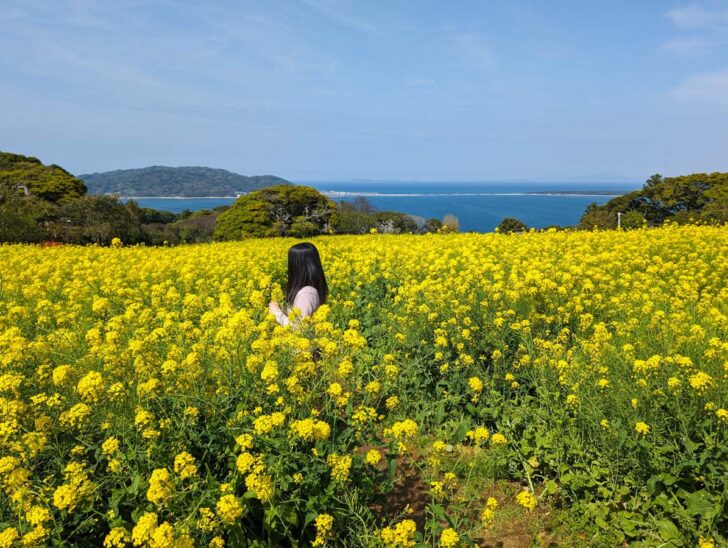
571 385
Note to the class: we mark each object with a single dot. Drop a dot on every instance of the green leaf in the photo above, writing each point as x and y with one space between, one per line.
668 530
700 503
392 469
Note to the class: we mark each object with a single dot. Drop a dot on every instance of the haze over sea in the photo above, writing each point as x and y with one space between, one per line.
478 206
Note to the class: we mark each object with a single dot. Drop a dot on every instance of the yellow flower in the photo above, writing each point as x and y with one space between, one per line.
476 385
216 542
142 532
527 500
207 521
91 387
184 465
324 525
373 457
261 485
8 537
37 515
449 538
700 381
229 509
244 441
401 534
404 429
488 514
339 465
642 428
498 439
76 416
117 537
65 497
479 435
110 446
161 486
310 429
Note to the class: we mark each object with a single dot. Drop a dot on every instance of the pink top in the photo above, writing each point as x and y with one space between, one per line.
307 301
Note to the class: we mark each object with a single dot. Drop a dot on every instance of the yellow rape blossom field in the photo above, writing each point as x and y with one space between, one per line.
572 383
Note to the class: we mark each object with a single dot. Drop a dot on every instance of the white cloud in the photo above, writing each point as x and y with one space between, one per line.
708 89
695 18
700 30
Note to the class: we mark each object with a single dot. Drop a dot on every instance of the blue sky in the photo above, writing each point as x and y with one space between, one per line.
334 89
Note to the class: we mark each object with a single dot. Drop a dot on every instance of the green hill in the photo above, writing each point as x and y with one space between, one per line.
50 183
176 181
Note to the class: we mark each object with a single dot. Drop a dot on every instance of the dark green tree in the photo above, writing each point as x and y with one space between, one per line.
633 219
274 211
431 225
21 216
511 224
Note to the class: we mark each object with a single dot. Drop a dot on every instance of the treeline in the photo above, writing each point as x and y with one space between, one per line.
700 197
41 203
97 220
301 211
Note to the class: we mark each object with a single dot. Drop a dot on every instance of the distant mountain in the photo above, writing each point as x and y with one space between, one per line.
176 181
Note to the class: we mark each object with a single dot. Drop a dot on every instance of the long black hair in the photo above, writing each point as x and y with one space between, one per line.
304 268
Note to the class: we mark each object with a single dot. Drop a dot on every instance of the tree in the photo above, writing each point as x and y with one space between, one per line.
654 180
511 224
431 225
596 216
20 217
52 183
633 219
450 223
275 211
98 219
394 222
697 196
360 203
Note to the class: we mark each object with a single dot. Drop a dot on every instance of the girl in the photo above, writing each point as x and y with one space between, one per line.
307 289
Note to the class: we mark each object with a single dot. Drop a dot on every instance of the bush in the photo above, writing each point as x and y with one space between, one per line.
633 219
511 224
450 223
394 222
431 225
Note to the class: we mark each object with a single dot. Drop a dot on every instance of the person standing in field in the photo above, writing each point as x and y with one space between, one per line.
307 288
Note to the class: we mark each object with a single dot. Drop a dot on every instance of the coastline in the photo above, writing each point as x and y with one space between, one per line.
345 194
178 197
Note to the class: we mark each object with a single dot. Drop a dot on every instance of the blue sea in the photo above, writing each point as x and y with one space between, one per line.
478 206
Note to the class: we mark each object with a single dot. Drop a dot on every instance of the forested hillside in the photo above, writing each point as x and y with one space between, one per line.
176 181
